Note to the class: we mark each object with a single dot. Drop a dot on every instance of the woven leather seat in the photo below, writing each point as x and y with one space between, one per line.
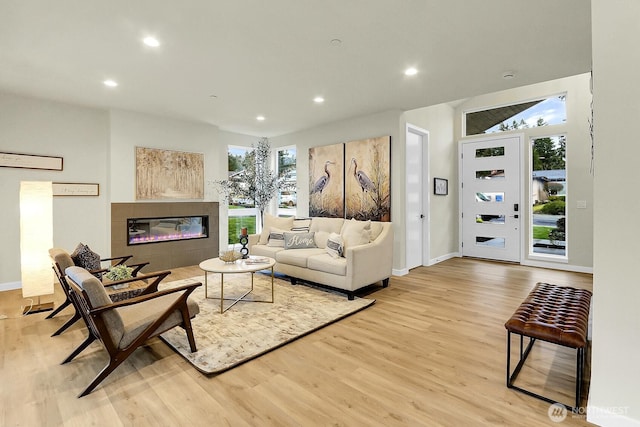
557 314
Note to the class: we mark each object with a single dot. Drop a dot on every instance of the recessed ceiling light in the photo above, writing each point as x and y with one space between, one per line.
151 41
336 42
110 83
508 75
318 100
410 71
260 118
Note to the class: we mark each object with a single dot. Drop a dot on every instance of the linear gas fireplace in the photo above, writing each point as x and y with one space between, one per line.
166 229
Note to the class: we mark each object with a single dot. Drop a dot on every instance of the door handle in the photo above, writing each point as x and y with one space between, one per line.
513 216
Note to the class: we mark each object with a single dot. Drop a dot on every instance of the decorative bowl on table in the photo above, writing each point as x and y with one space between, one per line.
230 256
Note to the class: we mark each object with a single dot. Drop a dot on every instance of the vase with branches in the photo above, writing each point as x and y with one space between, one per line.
257 180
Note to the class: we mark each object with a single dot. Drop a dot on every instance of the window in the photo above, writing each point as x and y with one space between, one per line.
242 212
541 112
549 192
287 195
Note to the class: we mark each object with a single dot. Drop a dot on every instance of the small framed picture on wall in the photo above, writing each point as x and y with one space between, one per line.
440 186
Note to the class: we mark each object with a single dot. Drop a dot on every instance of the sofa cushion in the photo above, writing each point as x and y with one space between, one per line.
298 257
356 233
299 240
276 238
335 246
323 227
326 263
264 250
283 223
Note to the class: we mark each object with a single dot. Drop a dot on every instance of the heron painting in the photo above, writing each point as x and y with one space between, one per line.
368 179
326 181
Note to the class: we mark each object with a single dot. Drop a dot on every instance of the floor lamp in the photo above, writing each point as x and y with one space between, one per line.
36 238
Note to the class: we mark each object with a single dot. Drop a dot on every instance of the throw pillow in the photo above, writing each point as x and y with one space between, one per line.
334 245
283 223
276 238
376 229
323 227
84 257
356 232
301 224
299 240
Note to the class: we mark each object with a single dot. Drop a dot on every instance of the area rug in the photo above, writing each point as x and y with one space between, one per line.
250 329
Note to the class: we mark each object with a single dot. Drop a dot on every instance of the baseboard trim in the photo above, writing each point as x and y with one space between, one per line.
400 272
614 417
10 286
445 257
557 266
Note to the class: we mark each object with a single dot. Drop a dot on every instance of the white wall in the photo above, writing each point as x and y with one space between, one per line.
130 130
381 124
79 135
580 181
97 147
443 163
614 399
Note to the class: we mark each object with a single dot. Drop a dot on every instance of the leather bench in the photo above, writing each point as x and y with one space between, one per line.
555 314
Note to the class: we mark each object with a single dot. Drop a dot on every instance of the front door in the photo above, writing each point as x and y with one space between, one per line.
490 198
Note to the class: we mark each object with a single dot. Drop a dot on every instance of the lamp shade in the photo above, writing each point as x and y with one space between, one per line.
36 237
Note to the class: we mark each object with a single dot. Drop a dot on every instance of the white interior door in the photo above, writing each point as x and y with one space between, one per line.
416 229
491 198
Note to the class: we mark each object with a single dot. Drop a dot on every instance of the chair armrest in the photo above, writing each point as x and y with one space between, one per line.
120 259
151 288
137 267
187 289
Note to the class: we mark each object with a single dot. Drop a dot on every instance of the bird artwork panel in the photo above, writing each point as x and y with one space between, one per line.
368 179
326 181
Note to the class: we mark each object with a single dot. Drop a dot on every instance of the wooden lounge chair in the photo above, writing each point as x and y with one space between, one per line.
124 326
61 261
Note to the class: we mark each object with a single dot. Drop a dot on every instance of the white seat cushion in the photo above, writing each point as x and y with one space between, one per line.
264 250
297 257
328 264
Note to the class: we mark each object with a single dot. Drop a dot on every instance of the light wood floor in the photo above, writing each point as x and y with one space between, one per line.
430 351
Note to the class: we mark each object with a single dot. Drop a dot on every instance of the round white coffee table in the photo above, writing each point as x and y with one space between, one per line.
250 265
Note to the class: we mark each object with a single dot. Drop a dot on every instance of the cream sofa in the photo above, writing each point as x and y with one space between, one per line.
366 257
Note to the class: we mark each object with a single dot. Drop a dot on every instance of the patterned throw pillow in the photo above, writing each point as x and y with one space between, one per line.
84 257
299 240
335 245
276 238
301 224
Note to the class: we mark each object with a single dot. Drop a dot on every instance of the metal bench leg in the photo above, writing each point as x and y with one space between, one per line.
524 353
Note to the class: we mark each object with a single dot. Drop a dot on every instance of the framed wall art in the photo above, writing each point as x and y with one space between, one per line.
30 161
368 179
440 186
326 181
167 174
75 189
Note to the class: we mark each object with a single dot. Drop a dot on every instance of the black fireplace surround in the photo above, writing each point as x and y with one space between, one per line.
142 231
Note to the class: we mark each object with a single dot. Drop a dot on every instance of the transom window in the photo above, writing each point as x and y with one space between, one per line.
541 112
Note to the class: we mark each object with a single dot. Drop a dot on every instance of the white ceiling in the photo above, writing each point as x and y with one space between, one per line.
272 57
